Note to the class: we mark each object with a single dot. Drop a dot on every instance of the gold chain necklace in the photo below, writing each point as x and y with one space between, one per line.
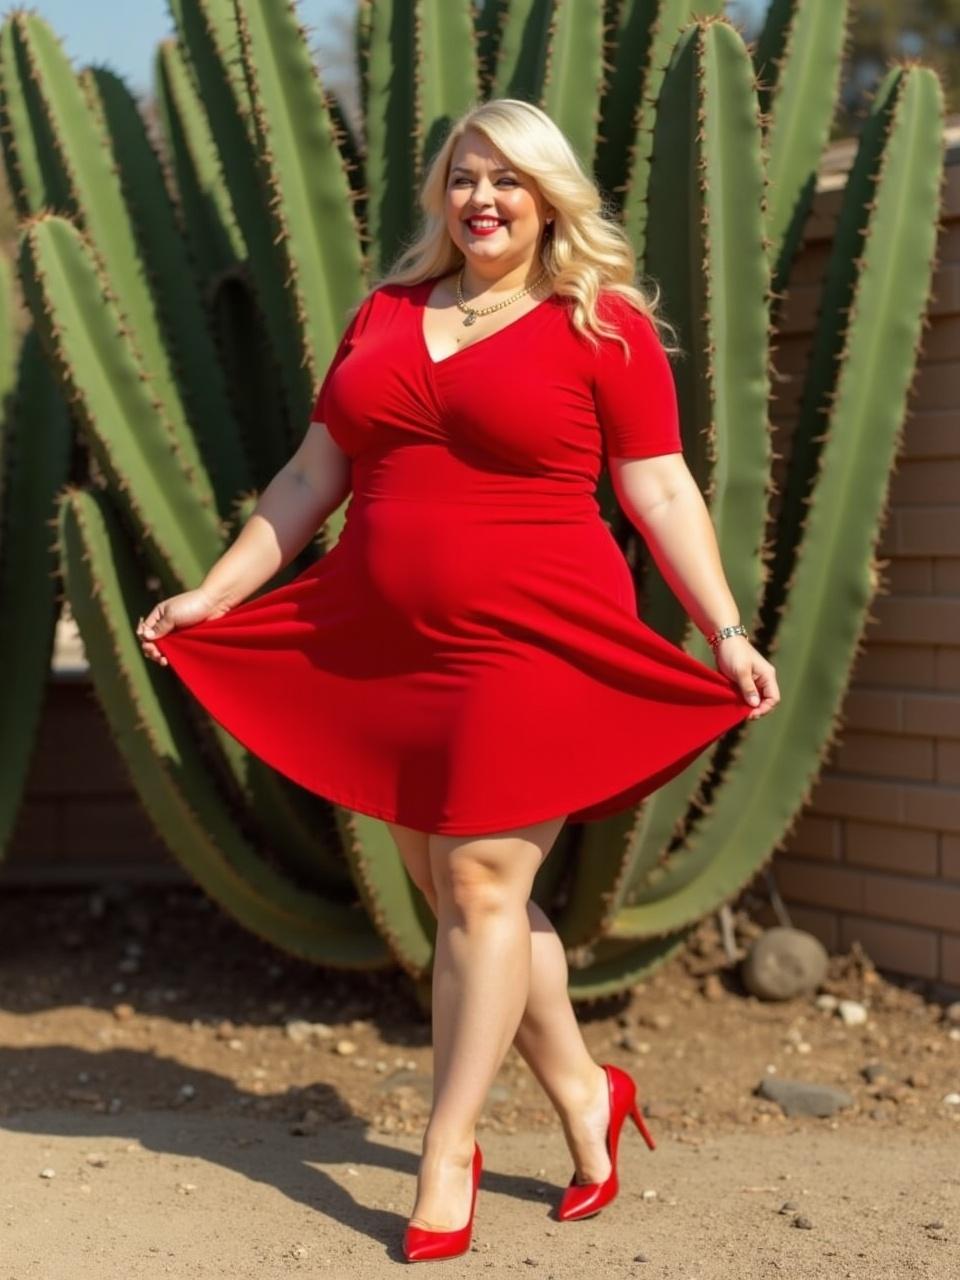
473 312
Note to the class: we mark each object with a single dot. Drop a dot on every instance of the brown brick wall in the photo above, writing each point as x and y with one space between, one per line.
876 856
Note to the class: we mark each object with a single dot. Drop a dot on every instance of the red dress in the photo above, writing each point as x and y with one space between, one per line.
468 657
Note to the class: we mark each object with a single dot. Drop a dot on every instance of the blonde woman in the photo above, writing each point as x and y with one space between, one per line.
467 663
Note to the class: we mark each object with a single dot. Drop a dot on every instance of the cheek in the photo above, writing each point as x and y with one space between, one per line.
521 206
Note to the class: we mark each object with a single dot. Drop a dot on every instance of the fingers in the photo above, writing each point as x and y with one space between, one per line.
765 677
145 629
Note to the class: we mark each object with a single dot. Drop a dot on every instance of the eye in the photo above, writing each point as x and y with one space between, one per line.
511 181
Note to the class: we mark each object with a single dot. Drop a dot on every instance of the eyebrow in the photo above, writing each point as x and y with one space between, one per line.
504 168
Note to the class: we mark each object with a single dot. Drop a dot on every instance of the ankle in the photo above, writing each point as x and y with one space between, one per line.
583 1091
446 1148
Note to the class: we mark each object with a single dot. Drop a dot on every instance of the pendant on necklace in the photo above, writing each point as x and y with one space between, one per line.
470 317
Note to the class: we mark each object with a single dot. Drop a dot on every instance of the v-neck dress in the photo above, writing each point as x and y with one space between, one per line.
467 658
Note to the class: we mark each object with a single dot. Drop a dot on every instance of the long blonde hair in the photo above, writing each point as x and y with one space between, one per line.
588 249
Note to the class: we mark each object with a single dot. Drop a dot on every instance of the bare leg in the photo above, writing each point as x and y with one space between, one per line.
548 1036
481 974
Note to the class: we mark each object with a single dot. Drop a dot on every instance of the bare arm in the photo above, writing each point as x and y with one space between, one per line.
661 498
293 505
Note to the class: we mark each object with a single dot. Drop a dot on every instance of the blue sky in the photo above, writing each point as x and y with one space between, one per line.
123 36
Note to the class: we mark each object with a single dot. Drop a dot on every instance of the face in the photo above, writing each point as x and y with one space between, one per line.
482 183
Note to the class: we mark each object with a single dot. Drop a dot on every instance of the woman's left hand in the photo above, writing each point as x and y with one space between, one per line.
739 661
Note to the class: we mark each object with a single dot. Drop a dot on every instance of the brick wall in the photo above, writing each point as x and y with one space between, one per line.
876 855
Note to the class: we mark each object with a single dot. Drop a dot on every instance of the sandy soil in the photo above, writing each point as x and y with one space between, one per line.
164 1111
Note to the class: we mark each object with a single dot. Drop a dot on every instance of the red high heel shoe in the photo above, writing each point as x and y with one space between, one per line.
423 1245
584 1199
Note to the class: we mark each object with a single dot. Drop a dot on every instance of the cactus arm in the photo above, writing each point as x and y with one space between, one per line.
268 262
101 377
612 965
157 743
798 61
35 440
394 127
450 71
644 34
306 186
173 279
399 912
775 762
79 161
706 177
206 211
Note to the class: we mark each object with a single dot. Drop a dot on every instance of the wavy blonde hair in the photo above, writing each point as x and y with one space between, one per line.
588 250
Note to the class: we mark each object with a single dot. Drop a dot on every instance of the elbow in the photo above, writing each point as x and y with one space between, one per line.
647 487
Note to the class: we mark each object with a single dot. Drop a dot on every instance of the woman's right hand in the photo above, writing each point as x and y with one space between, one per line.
181 610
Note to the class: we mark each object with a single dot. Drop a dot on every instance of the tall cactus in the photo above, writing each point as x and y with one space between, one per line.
274 213
35 439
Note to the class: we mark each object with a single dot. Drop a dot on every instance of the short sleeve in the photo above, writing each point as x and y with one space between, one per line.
636 403
348 339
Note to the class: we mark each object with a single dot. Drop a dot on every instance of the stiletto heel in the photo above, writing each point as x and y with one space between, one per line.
583 1200
422 1245
639 1121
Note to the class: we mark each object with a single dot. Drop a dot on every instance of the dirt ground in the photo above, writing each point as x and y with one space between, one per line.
179 1098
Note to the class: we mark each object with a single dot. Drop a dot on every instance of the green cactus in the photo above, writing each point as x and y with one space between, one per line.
35 447
275 215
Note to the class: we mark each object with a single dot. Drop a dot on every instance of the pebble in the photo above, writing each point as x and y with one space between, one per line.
826 1002
852 1013
97 1159
48 1173
783 963
187 1091
640 1257
298 1251
802 1097
874 1071
649 1193
308 1126
952 1099
123 1012
952 1013
302 1032
344 1047
185 1188
788 1206
802 1222
656 1021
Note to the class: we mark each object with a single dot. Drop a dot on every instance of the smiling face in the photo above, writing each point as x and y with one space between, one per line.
495 213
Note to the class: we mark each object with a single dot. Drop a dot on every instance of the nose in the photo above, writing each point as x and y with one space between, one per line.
479 200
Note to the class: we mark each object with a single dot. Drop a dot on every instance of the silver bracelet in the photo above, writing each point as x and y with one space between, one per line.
721 633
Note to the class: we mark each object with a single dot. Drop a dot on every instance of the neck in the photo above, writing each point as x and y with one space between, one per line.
474 284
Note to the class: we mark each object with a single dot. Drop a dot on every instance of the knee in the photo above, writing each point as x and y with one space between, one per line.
473 886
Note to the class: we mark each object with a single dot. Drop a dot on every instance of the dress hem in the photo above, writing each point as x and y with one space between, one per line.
484 827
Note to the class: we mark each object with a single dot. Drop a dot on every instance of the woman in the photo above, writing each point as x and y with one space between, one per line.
467 662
